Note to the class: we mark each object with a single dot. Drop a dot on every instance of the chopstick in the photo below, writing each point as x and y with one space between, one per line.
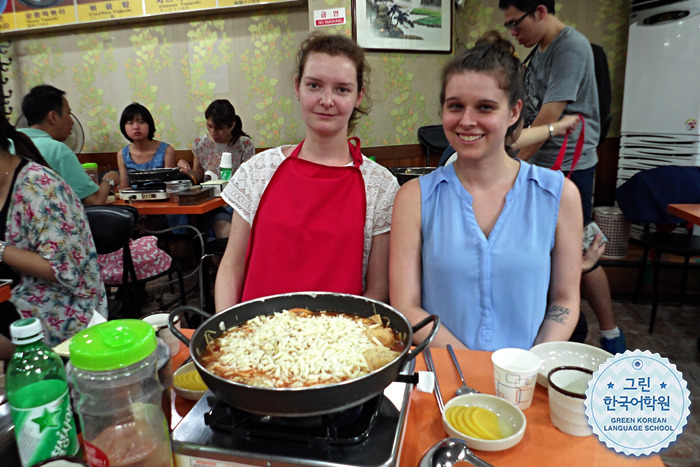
431 367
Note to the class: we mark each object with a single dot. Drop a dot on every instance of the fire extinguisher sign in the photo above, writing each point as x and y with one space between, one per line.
331 17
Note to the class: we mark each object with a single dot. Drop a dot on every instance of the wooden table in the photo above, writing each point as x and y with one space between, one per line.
688 212
542 445
171 207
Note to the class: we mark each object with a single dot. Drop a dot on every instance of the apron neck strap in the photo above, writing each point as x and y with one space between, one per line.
355 151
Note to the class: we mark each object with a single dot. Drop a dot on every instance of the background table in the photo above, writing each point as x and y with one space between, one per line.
171 207
688 212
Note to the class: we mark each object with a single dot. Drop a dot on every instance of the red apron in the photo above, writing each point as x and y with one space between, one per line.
308 232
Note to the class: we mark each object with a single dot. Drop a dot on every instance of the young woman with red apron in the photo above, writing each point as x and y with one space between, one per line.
308 232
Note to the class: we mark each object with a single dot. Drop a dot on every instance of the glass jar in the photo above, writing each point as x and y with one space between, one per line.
91 170
114 376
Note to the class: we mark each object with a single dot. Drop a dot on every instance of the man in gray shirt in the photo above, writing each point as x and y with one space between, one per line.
560 80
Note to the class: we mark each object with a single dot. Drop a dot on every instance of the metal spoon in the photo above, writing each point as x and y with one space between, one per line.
464 389
449 452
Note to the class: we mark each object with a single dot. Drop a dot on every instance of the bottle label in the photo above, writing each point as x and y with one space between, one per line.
46 430
225 173
95 456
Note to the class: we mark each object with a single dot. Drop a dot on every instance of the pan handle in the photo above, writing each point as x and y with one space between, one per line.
175 313
433 332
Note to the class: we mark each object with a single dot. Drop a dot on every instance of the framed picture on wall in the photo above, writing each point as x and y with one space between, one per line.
403 25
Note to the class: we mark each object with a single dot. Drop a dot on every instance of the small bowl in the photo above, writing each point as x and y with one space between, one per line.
189 394
506 411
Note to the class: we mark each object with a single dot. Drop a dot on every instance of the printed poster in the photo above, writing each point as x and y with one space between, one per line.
7 16
155 7
91 10
30 14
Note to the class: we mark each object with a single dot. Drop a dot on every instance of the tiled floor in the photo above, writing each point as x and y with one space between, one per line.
675 337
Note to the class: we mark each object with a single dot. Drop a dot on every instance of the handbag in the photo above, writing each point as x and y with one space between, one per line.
577 151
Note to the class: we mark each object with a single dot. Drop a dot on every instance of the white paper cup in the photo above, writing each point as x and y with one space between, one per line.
159 321
567 393
515 375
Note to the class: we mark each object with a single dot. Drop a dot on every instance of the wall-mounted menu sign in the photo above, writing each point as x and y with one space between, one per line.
32 15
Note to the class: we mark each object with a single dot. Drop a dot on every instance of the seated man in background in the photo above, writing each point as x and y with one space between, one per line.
49 118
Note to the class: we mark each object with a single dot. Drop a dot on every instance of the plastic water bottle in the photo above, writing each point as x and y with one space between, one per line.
225 166
38 395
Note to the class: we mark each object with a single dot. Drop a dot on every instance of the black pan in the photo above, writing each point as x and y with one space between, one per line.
314 400
156 175
404 174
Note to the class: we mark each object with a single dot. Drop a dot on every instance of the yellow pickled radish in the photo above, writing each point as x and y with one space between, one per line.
487 422
458 416
474 428
190 380
476 422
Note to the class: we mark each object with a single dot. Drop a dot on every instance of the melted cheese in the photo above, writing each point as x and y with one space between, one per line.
294 348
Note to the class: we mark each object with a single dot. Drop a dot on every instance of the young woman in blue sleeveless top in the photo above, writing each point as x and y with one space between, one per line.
143 152
489 243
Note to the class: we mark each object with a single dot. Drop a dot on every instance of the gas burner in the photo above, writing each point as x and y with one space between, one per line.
337 439
345 427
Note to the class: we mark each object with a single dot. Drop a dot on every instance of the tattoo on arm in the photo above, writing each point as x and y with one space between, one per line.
557 313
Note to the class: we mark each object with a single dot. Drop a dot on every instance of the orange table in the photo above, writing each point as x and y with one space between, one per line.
171 207
688 212
5 293
542 445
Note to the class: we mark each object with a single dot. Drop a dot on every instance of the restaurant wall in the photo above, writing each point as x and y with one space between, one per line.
176 67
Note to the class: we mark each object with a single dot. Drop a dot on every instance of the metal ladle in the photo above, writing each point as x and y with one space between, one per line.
449 452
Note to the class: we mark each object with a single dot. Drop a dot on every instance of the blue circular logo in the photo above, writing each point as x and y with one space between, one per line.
637 403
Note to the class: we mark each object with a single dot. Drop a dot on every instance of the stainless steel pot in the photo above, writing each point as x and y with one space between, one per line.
314 400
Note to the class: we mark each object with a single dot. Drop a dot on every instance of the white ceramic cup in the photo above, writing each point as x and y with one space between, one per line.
567 393
515 375
159 321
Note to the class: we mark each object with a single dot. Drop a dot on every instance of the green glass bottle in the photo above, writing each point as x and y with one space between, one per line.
37 392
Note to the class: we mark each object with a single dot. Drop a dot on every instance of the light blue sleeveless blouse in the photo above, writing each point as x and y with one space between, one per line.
156 162
490 292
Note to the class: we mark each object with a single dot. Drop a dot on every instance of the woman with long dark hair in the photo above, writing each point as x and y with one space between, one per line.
224 134
46 247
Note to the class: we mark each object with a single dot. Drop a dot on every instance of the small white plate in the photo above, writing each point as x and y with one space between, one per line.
554 354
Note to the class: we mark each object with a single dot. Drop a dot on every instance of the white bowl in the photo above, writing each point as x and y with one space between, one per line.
506 411
554 354
190 394
567 394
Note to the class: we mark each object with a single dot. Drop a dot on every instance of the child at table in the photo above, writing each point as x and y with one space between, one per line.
143 153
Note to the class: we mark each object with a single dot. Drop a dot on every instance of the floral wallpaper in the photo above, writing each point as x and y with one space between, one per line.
176 67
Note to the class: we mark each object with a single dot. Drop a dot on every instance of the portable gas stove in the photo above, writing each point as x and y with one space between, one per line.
214 434
135 194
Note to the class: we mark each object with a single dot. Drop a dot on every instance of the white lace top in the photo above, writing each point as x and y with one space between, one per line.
248 183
